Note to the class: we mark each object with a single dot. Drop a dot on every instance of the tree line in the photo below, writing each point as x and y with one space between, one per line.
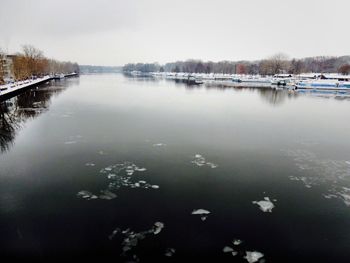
275 64
31 62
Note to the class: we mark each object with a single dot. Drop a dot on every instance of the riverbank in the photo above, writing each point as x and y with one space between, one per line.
10 90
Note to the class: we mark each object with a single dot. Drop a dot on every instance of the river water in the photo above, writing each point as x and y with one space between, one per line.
111 168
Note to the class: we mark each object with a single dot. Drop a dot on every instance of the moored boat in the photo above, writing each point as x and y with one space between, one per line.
330 82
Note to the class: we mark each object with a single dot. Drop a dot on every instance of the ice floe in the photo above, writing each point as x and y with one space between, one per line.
90 164
202 212
334 174
158 226
107 195
237 242
253 256
86 195
122 175
228 249
265 205
132 238
199 160
170 252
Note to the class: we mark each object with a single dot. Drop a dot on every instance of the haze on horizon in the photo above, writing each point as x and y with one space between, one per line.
115 32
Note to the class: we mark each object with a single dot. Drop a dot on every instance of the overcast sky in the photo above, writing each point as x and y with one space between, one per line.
115 32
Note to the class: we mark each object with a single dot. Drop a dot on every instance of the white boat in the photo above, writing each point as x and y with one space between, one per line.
329 82
282 79
252 79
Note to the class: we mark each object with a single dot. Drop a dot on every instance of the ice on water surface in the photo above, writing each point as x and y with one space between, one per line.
227 249
199 160
86 195
253 256
202 212
158 226
132 238
265 205
237 242
335 174
170 252
122 175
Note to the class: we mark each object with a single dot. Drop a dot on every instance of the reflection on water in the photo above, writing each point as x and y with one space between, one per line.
30 104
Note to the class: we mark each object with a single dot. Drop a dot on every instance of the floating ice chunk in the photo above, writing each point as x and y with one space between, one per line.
140 169
115 231
329 196
266 205
253 256
227 249
170 252
212 165
200 212
137 184
142 182
158 227
348 162
199 160
234 253
108 195
204 213
237 242
155 186
70 142
86 195
89 164
111 176
108 169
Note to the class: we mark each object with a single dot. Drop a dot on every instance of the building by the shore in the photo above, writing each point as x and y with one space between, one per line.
8 68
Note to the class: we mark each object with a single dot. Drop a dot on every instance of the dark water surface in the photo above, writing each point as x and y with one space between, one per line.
90 133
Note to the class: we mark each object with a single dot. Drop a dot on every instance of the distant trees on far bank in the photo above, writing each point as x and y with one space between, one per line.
32 62
279 63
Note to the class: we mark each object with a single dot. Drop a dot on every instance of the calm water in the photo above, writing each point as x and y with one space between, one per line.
96 134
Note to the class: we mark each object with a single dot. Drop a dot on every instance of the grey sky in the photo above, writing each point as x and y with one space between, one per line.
114 32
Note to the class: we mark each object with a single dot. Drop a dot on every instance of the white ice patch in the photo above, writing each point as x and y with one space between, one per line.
199 160
265 205
90 164
122 175
170 252
158 226
334 174
227 249
237 242
107 195
253 256
131 238
86 195
202 212
230 250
